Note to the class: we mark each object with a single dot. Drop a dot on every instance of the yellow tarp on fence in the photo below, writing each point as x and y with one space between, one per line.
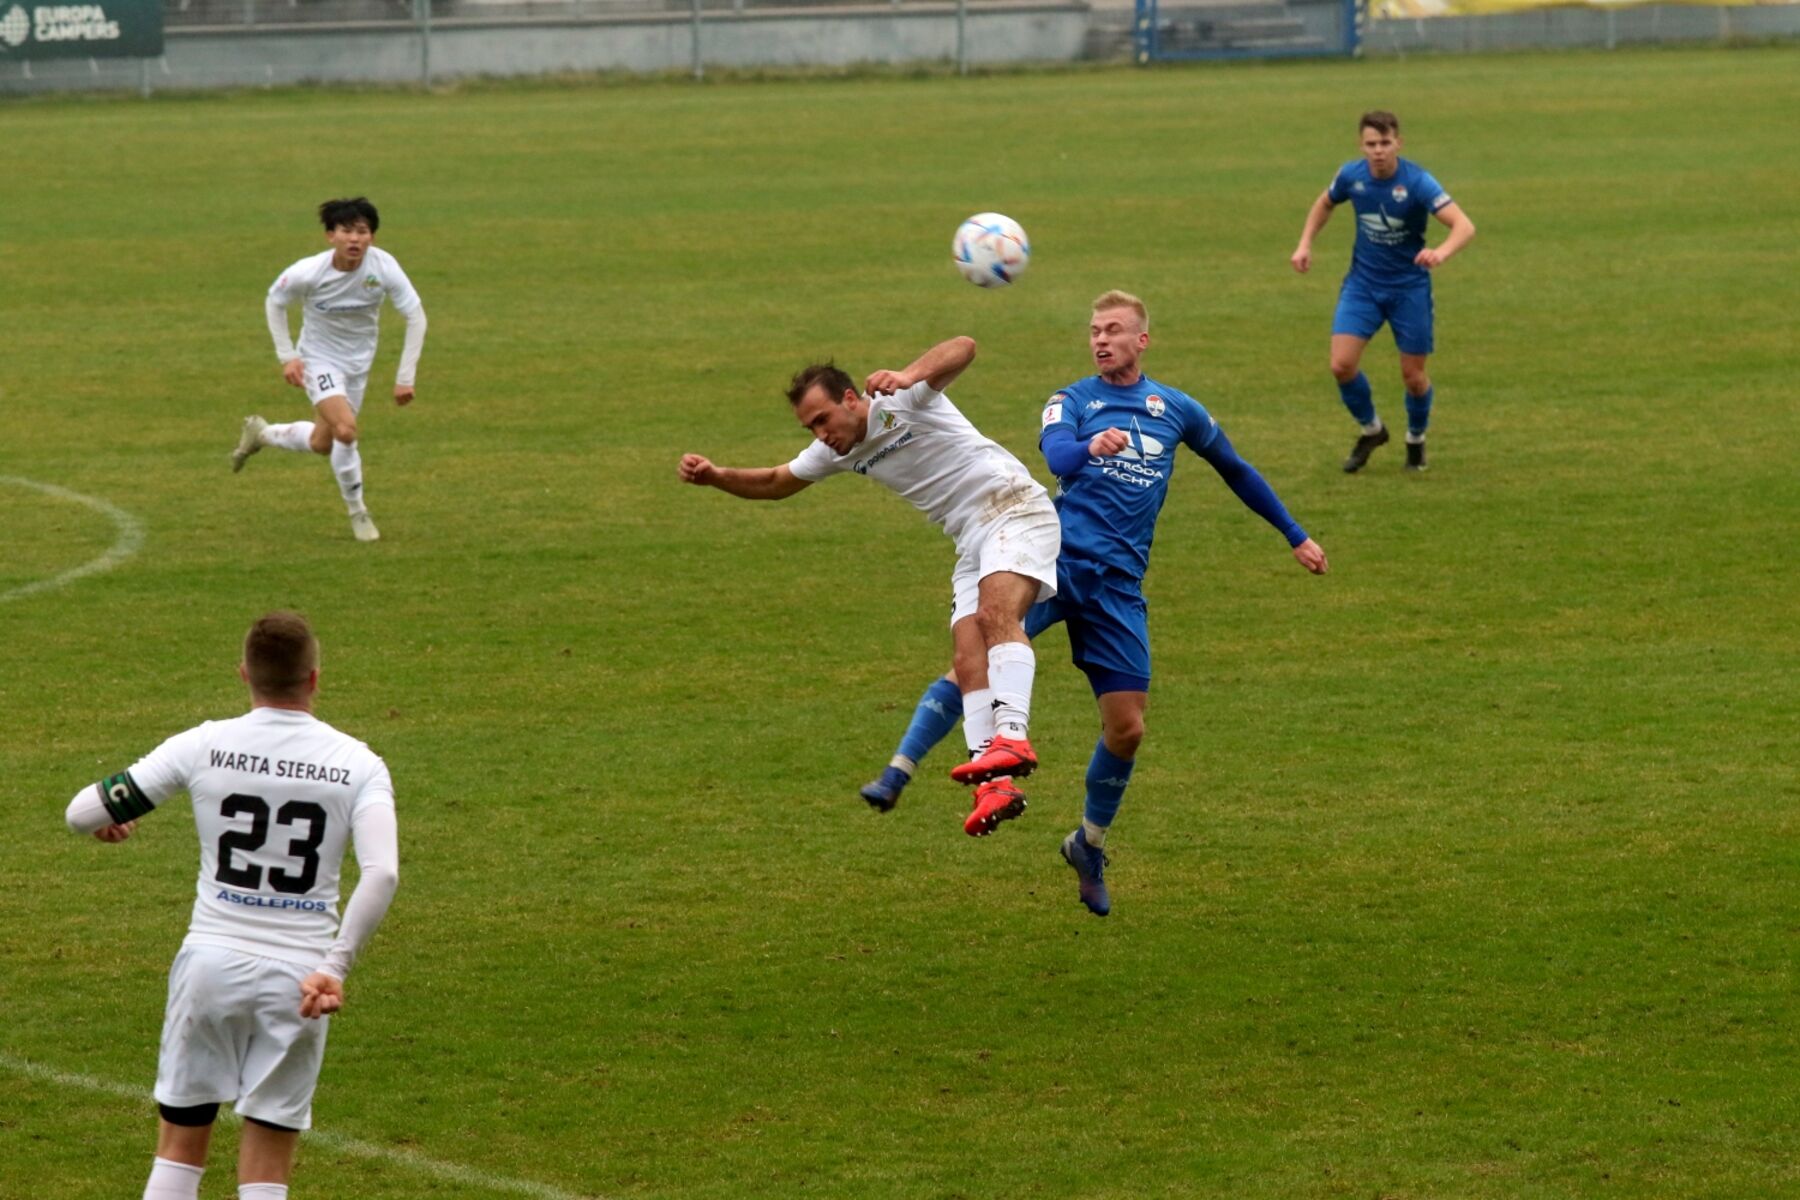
1466 8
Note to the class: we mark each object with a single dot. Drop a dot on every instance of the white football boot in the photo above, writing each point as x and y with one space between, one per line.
249 442
363 526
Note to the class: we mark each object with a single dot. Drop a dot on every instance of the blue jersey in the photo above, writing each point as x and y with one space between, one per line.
1391 215
1109 505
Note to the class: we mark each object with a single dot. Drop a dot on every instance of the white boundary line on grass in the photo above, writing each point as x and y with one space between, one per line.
128 543
336 1142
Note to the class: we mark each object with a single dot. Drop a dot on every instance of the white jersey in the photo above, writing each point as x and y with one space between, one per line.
342 320
274 794
919 445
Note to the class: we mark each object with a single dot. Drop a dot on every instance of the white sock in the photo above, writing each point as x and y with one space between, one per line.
296 436
1095 834
906 765
346 464
1011 666
173 1181
1373 427
262 1191
978 719
1415 439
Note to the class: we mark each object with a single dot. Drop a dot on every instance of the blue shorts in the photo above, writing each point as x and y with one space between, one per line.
1362 308
1109 625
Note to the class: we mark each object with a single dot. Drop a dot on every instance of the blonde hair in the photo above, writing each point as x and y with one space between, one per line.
1119 299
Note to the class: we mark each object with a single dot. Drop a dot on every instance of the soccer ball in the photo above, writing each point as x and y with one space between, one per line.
990 250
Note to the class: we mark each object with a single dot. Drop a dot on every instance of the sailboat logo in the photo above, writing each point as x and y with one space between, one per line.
1143 448
1382 229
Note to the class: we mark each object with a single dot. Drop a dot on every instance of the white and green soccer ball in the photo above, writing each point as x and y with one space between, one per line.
990 249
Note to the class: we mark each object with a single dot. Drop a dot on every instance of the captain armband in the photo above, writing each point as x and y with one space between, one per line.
124 800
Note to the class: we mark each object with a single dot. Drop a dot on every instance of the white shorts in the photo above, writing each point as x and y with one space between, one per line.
1025 541
325 378
233 1033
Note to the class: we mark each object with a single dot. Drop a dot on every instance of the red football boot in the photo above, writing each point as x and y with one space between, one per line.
996 800
1001 756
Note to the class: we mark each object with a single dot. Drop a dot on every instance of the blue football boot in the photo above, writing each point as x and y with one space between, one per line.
884 793
1090 869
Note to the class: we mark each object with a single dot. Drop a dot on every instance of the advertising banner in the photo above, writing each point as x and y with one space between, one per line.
103 29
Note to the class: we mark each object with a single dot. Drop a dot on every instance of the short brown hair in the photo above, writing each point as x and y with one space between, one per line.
833 378
1119 299
280 654
1380 120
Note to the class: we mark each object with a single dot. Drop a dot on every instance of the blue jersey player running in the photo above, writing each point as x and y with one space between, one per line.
1110 439
1389 279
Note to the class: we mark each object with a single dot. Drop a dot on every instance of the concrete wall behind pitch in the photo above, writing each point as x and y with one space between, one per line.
997 34
394 53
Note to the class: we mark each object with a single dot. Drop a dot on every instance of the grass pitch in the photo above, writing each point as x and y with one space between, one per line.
1465 871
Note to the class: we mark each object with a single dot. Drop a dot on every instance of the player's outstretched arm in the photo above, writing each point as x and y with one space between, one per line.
938 367
1461 231
1316 216
747 483
1247 483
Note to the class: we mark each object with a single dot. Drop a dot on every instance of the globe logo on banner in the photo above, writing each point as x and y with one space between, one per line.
15 26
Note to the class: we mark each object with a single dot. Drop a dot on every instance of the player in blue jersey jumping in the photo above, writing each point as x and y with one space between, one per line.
1110 439
1389 279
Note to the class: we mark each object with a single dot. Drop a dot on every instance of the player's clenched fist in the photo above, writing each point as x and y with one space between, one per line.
886 383
294 371
114 834
1108 441
695 468
1309 555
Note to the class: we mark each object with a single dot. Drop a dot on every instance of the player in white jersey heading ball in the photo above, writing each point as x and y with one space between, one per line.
277 795
902 431
340 291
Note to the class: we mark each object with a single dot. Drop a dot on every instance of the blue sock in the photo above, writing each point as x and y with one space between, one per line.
1107 776
939 710
1359 398
1418 413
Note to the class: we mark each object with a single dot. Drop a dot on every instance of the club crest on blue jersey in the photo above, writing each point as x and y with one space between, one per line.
1155 404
